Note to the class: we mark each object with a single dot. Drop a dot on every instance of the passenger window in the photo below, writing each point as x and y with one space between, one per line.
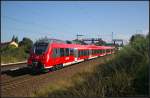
71 51
67 52
58 52
62 52
82 53
79 53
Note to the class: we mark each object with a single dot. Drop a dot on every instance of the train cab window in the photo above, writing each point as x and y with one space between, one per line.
62 52
39 48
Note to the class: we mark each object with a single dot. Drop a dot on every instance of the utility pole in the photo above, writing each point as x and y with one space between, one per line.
112 36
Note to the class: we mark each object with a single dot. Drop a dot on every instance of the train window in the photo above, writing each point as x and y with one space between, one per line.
71 51
107 50
54 52
83 52
79 53
53 55
100 51
87 52
40 48
67 52
58 52
103 51
62 52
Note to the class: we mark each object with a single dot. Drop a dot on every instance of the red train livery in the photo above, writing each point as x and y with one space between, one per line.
52 53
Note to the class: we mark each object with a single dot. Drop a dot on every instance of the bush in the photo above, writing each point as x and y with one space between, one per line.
11 54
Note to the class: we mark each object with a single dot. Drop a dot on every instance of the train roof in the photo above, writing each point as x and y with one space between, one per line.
63 44
60 45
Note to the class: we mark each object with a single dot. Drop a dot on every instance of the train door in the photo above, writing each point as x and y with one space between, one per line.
76 54
52 56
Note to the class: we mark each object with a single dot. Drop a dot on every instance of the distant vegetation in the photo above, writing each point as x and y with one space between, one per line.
125 75
11 53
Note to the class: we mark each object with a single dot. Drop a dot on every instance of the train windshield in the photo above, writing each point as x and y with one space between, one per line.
40 48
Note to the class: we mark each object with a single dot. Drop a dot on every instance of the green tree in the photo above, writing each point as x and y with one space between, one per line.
16 39
13 38
26 43
136 36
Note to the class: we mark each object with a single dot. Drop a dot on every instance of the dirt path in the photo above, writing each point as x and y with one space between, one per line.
26 87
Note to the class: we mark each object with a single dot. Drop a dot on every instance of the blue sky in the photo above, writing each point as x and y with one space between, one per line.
63 20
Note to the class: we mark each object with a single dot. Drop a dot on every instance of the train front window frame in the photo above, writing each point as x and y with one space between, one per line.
40 48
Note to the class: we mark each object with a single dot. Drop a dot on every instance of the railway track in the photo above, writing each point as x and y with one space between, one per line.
11 84
12 67
17 82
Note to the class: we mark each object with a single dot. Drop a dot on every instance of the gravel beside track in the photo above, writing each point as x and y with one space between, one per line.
21 83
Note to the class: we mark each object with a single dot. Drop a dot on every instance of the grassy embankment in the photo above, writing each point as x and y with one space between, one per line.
125 75
11 54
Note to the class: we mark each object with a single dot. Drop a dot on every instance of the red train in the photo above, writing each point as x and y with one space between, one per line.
51 53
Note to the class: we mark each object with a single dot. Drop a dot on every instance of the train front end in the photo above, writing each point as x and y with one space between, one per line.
38 57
